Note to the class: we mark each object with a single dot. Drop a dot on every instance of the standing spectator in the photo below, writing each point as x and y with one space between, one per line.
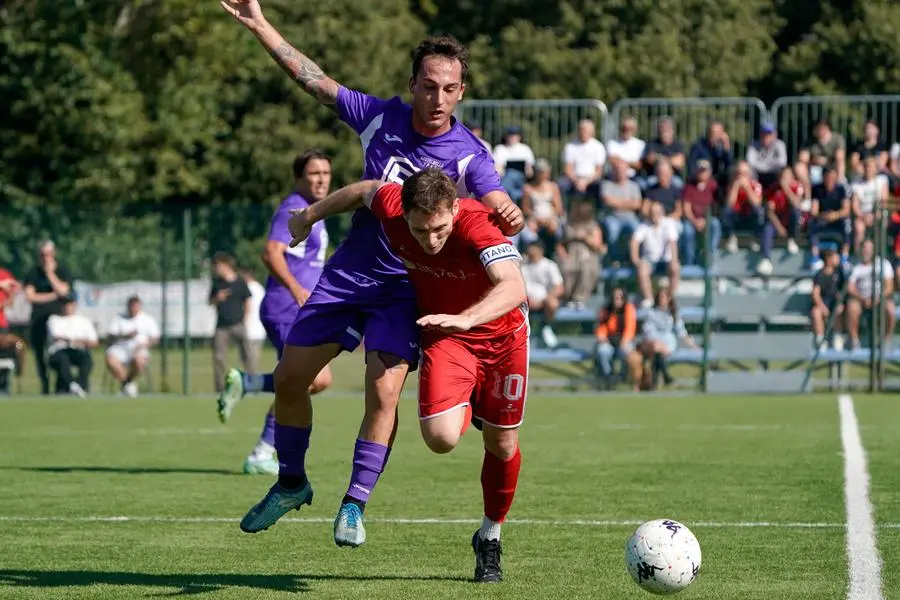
767 156
45 287
9 287
621 204
231 297
584 159
478 132
544 287
715 148
871 146
828 150
71 338
861 294
253 327
869 193
654 251
661 332
828 284
132 334
542 206
628 146
579 253
783 215
743 208
663 146
514 160
830 213
616 328
699 198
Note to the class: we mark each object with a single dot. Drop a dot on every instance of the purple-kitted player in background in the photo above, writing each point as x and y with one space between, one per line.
293 273
364 291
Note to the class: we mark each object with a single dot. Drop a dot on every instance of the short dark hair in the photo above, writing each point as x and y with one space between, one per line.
302 159
223 258
536 244
445 46
132 300
428 191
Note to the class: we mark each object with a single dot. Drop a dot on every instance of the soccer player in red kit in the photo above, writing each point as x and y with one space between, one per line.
474 321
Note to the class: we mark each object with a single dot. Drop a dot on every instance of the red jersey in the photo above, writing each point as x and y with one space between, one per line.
4 298
742 203
781 203
455 278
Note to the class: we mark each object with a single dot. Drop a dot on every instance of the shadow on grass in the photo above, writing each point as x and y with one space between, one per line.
189 584
125 470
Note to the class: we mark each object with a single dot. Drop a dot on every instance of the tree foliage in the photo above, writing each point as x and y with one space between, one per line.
118 114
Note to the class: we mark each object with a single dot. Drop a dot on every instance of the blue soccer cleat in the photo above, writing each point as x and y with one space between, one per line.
232 394
348 526
277 503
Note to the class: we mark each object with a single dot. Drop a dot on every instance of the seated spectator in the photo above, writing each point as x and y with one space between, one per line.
828 149
663 146
71 338
621 204
698 200
830 213
544 288
715 148
867 194
893 170
767 156
783 216
871 146
743 208
861 294
665 192
542 207
584 159
616 328
478 132
132 335
828 284
579 254
661 332
10 345
654 251
628 146
514 160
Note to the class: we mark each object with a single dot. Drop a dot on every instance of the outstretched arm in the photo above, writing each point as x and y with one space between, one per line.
346 199
300 67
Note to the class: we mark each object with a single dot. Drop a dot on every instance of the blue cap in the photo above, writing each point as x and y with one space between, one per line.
768 127
513 130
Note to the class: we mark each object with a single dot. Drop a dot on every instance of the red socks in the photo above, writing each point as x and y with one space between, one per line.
498 484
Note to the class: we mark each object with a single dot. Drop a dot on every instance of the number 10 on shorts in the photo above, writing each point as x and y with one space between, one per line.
511 387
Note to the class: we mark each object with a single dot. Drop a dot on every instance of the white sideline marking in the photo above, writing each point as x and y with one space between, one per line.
431 521
863 559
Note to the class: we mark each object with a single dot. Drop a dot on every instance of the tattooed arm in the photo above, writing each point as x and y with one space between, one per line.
301 68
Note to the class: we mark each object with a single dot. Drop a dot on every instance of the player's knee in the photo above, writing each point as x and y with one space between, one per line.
289 381
502 444
441 443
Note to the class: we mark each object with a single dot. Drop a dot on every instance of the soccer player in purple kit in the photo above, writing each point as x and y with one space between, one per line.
293 273
364 291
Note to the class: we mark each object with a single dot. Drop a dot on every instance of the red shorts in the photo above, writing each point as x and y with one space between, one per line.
491 375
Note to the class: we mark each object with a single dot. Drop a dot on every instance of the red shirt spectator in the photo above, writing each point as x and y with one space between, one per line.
742 204
700 195
778 199
8 286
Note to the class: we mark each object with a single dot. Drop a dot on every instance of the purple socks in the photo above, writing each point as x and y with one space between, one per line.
267 436
369 461
291 443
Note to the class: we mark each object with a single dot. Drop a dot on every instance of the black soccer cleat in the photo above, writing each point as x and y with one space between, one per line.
487 560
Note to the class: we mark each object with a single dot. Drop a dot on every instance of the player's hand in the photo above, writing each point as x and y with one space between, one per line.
247 12
300 226
446 323
222 295
511 218
301 295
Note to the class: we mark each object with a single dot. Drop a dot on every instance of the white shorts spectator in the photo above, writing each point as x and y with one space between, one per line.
125 354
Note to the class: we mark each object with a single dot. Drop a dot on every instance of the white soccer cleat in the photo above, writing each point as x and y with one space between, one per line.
348 526
231 395
261 465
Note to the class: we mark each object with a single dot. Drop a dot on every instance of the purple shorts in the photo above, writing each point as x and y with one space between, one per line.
347 314
277 332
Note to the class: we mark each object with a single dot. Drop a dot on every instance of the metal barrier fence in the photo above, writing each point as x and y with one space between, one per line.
795 117
741 117
547 125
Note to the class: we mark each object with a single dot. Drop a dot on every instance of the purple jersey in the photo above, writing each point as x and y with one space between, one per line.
393 151
305 262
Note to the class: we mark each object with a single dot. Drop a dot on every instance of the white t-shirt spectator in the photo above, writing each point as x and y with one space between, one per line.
630 150
862 277
519 152
655 240
76 329
869 192
585 157
142 326
540 278
253 327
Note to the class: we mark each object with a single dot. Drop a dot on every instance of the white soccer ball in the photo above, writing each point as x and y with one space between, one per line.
663 556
